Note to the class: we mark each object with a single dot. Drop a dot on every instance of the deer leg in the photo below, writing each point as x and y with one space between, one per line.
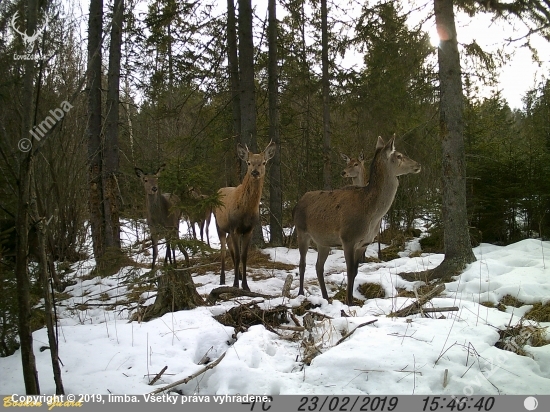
235 250
322 255
352 265
154 242
245 243
303 246
223 246
167 256
207 223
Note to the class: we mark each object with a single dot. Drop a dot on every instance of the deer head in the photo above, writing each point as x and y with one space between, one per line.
150 181
256 161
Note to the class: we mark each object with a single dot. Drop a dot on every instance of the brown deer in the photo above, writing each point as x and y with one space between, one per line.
240 211
349 217
163 215
355 169
202 216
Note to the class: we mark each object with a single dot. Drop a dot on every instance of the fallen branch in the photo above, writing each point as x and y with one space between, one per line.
190 377
234 292
416 307
157 377
294 328
347 335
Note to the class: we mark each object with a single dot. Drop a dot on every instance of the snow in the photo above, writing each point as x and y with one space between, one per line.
103 353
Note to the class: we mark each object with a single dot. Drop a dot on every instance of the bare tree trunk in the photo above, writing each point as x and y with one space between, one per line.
458 250
327 180
248 93
93 129
233 63
111 151
30 374
275 184
45 277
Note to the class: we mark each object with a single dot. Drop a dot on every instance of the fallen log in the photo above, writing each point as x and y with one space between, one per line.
416 307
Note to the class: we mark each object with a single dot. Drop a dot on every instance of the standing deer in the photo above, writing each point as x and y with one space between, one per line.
163 215
355 168
349 217
240 211
202 216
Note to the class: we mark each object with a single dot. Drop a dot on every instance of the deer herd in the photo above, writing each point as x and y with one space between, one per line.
348 217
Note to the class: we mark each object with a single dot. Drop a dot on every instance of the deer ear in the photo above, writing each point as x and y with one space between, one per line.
391 144
242 152
160 169
345 157
269 151
139 172
380 143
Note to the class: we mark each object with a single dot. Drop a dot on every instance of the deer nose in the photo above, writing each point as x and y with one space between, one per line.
343 174
255 173
154 189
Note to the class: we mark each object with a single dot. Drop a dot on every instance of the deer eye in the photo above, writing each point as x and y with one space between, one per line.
145 180
356 164
248 163
264 162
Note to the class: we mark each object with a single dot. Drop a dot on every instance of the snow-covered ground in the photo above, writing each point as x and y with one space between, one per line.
102 353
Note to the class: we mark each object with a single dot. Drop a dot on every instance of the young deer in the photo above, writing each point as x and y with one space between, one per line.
349 217
355 168
238 215
163 215
201 217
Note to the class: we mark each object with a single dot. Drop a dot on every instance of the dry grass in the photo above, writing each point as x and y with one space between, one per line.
421 290
372 290
539 313
509 300
515 338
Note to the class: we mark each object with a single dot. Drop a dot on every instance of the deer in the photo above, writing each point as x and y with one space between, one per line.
202 216
240 211
349 217
163 215
355 169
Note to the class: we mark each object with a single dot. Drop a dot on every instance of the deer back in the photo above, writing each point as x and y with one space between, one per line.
352 214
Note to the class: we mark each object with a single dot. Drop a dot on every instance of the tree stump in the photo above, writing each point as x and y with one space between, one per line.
176 291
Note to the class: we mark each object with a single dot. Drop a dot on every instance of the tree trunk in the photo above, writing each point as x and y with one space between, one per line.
30 374
248 93
275 185
458 250
327 179
233 63
93 128
111 150
176 291
45 277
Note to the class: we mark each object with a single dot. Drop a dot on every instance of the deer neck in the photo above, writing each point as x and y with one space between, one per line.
383 186
250 190
358 180
154 205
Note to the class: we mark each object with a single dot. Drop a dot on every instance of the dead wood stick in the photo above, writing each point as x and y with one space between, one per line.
294 328
215 293
157 377
347 335
447 309
190 377
416 306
